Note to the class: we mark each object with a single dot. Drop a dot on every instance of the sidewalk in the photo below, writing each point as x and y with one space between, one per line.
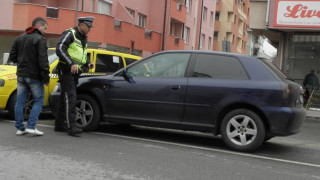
313 113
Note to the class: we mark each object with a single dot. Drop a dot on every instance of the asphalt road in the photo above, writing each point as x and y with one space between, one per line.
122 152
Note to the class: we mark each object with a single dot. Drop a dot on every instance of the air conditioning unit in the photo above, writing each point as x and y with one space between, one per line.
176 40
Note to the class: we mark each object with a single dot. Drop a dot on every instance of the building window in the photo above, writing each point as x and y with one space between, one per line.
235 19
186 35
217 16
211 18
204 14
52 12
104 7
209 43
142 20
188 5
131 12
215 36
202 38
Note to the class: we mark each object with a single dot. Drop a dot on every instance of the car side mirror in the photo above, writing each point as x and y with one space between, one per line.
127 77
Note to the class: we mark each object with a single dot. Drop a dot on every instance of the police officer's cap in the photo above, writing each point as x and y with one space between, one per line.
87 20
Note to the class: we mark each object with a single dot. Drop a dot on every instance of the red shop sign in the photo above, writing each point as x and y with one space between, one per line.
297 13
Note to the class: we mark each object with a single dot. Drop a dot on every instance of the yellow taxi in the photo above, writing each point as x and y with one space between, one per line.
106 62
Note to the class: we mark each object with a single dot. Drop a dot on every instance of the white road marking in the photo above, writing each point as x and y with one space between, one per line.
201 148
213 150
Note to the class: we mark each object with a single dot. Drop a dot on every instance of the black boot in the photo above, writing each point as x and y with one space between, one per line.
74 131
60 128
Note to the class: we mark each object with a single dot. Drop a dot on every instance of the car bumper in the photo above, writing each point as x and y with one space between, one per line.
285 121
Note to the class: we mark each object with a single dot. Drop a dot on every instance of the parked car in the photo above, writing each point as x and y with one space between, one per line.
106 62
245 99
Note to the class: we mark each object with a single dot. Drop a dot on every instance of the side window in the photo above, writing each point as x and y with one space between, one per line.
162 65
108 64
218 67
129 61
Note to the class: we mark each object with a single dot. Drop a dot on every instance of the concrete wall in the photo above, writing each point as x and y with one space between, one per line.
6 11
258 22
208 29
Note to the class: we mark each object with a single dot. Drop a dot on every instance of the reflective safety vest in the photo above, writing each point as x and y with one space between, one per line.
77 52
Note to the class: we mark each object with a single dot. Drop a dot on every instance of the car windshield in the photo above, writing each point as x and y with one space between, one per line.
52 56
277 72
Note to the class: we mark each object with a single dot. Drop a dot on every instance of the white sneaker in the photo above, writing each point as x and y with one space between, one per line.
34 131
19 132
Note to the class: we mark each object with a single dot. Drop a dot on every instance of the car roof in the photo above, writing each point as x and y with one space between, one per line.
111 52
206 52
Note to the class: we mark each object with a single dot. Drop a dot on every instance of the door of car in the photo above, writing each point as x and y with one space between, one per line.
216 79
157 94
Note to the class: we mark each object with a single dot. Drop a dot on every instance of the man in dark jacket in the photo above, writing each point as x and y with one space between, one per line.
29 51
72 52
311 81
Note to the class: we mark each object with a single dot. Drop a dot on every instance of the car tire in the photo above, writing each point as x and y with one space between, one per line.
242 130
11 105
26 110
88 113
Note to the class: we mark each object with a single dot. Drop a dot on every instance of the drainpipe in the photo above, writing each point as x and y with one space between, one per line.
77 11
164 25
267 15
200 24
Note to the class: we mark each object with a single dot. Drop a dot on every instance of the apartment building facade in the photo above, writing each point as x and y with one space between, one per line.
140 27
231 26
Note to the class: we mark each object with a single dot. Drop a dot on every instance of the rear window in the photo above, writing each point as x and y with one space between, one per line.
273 69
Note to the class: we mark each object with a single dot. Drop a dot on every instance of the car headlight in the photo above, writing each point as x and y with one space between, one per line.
1 82
57 88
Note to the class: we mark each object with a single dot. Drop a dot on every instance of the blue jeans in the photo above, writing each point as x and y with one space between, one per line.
37 89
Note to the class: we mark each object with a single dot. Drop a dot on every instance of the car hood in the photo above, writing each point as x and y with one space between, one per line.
7 70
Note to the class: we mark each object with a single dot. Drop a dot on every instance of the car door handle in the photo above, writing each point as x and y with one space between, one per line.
175 87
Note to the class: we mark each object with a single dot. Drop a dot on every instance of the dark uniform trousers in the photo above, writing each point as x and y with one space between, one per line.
68 98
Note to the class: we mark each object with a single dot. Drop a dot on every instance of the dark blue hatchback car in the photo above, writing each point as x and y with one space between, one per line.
245 99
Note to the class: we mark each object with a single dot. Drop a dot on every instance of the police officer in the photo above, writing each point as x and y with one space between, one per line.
72 52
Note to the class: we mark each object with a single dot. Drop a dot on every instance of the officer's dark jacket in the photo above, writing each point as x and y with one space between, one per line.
62 48
29 51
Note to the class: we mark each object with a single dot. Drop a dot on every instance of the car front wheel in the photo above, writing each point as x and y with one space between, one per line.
88 112
242 130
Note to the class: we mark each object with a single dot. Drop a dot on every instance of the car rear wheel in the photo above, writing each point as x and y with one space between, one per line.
88 112
242 130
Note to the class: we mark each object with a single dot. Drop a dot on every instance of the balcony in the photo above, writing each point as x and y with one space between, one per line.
240 32
105 28
217 25
178 11
175 43
242 15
